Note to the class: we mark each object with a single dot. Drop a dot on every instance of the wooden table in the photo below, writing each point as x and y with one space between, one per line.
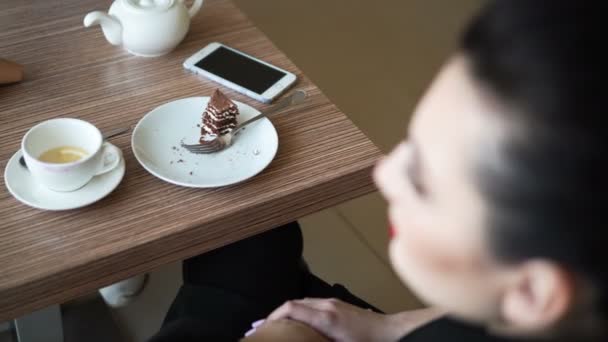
71 71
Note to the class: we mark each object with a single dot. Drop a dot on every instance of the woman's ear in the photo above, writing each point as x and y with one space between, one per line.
541 295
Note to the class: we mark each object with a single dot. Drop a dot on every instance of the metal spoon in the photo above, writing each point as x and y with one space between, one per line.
110 134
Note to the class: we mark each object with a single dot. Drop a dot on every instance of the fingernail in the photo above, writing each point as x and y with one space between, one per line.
249 332
258 323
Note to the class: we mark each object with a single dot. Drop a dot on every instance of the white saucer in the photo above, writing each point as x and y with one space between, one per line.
27 190
156 145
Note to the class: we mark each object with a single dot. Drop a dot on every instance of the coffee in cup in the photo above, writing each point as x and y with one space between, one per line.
65 154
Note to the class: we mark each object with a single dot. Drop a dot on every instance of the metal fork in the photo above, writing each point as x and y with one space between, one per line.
220 143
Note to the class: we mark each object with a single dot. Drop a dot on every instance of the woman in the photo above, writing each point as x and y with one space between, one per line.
492 197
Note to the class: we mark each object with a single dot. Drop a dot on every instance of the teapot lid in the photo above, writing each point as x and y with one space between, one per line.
149 5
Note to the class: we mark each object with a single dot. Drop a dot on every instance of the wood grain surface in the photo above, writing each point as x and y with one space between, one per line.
71 71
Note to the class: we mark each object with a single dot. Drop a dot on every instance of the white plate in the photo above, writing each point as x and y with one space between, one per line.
157 137
27 190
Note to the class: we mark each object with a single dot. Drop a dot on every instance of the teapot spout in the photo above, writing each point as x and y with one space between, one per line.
111 27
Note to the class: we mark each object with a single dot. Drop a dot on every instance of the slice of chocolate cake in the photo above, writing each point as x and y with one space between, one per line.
219 117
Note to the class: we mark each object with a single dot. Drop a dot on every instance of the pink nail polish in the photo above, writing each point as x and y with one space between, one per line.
258 323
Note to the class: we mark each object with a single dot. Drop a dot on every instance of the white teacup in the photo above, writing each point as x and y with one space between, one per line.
101 157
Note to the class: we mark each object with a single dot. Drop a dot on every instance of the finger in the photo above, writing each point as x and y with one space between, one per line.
326 304
327 307
250 332
290 308
318 319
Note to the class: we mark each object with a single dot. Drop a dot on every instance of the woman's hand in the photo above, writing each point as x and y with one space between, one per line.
343 322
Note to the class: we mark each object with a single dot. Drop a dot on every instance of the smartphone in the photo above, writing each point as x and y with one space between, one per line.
241 72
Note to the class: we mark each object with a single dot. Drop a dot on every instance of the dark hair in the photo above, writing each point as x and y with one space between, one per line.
544 61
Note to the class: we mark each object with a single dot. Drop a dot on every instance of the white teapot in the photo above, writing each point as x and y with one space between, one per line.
145 27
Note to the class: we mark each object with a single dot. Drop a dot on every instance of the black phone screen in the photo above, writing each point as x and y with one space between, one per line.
240 70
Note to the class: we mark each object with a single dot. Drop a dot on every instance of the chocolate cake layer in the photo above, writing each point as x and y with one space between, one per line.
219 117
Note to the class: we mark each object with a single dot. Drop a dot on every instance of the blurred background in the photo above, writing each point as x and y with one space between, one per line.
374 60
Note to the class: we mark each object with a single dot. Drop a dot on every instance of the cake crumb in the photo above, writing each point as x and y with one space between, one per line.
190 173
181 161
256 152
174 148
198 125
171 162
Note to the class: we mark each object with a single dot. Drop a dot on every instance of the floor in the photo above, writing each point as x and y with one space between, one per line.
374 72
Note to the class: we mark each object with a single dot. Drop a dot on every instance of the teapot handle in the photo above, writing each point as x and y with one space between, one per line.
196 6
